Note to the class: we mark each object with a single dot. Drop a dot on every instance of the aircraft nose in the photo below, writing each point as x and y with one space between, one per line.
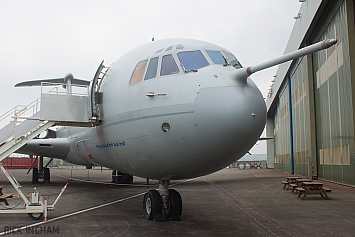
230 119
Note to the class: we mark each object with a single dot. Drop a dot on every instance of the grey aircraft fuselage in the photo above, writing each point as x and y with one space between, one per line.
171 109
214 119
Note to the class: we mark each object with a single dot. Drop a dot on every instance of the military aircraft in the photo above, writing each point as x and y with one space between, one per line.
168 110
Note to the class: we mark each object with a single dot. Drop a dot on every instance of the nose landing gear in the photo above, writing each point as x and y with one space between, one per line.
162 205
152 204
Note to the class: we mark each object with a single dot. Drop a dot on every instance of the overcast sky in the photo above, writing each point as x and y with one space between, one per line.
48 39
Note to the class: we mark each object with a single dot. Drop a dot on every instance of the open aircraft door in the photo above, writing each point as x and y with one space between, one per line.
94 91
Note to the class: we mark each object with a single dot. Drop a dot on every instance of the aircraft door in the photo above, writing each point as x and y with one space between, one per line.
94 90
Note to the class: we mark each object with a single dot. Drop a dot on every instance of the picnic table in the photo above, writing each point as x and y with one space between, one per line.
293 179
312 188
289 181
300 182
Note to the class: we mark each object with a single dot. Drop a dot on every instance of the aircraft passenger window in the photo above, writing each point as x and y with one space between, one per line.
138 72
168 66
192 60
217 57
152 69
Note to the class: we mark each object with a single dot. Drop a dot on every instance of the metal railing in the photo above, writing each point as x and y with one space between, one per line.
56 89
20 113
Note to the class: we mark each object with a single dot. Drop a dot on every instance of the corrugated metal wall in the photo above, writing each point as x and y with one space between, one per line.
301 125
282 132
300 115
334 109
334 132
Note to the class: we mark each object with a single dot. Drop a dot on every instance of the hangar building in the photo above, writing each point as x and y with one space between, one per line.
311 101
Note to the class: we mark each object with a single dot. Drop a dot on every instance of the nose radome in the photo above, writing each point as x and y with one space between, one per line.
230 119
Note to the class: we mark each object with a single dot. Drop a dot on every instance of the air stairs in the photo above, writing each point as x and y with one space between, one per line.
23 123
53 108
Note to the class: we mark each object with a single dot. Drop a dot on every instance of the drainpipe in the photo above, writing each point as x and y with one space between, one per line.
292 161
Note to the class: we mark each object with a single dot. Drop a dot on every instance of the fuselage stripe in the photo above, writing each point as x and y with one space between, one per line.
145 117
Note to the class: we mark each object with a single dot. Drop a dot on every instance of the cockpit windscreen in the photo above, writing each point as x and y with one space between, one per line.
192 60
217 57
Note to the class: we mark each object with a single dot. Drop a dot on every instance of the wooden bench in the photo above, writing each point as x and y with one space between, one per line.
300 191
328 190
294 186
285 183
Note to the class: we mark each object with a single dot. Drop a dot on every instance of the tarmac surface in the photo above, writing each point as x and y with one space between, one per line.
230 202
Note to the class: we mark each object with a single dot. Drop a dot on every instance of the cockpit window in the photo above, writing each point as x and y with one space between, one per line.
217 57
192 60
168 65
159 50
138 72
232 60
169 48
152 69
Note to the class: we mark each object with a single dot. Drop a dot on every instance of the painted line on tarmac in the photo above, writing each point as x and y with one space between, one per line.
113 184
17 230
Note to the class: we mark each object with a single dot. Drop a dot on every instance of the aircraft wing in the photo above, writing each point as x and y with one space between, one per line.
51 147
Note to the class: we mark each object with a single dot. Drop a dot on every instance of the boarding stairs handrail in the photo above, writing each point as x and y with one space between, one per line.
13 118
19 110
